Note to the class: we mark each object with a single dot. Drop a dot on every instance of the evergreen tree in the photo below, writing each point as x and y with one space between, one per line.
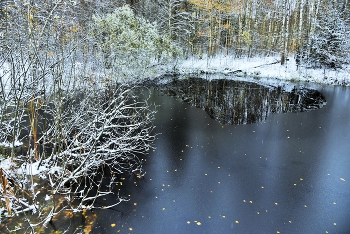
328 47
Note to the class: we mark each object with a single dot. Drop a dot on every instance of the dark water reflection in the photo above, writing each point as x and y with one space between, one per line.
238 102
287 174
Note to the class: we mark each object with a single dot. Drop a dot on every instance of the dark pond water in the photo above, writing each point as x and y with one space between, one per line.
286 172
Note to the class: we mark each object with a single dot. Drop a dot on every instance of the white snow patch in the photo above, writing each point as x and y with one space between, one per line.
6 164
47 197
264 68
9 144
32 168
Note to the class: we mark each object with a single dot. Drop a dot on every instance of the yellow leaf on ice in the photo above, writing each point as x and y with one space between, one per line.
113 225
237 221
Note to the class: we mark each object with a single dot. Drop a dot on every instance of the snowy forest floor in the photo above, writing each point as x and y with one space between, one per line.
265 68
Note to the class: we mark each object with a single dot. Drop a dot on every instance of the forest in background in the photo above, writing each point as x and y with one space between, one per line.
314 30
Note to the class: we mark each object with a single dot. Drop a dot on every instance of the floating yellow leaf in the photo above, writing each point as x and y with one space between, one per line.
244 200
163 208
301 179
199 223
295 184
130 228
276 203
135 203
113 225
262 187
342 179
224 216
188 222
237 221
250 201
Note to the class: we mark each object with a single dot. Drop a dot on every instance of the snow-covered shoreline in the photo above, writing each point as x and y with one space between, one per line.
264 68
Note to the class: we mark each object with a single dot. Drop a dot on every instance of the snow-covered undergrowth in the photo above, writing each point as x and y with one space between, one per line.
264 68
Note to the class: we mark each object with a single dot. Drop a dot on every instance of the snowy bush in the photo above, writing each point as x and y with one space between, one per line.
76 125
328 46
130 45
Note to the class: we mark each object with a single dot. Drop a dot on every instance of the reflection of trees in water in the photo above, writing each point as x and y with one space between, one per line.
238 102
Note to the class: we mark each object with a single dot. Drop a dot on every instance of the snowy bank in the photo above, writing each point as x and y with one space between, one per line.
264 68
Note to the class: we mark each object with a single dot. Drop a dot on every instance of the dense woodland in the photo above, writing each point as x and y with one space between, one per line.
68 104
312 30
